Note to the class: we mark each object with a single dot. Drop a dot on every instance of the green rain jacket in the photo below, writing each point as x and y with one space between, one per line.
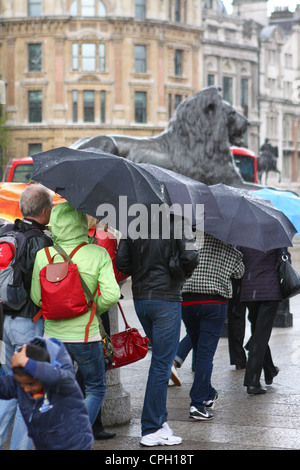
69 228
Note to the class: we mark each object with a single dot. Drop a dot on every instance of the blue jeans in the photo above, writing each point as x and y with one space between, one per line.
184 348
204 323
16 332
161 321
89 358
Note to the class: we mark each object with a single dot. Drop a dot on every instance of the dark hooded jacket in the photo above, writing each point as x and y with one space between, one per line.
58 420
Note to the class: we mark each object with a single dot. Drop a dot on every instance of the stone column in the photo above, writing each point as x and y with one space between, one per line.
116 408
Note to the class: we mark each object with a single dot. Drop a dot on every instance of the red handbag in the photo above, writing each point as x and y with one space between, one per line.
129 346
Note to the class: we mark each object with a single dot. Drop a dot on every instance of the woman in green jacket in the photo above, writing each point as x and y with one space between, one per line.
70 229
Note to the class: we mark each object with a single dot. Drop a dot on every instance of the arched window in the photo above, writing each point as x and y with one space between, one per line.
88 8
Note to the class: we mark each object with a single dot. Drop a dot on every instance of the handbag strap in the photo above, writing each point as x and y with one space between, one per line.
127 327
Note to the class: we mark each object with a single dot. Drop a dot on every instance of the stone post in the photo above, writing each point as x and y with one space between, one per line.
116 408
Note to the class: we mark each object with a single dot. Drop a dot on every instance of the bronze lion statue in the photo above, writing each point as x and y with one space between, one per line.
196 142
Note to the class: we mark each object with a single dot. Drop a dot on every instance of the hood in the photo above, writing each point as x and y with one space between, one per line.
52 345
68 225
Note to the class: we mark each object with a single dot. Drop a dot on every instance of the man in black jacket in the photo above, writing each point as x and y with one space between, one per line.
35 204
157 300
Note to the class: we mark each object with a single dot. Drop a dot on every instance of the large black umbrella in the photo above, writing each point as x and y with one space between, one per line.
92 181
186 194
249 221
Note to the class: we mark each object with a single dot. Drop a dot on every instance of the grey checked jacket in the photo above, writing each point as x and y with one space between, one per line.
218 264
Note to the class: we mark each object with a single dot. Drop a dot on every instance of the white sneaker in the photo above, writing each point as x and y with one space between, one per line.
167 428
160 438
174 377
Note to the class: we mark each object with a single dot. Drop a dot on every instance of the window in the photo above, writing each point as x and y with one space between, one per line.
244 95
227 89
140 9
34 57
208 4
140 106
140 59
88 8
88 51
34 8
177 100
88 106
177 10
102 105
75 56
101 9
33 149
88 57
75 105
102 57
35 106
178 63
210 79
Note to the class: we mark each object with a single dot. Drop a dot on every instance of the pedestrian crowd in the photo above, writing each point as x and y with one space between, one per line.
52 382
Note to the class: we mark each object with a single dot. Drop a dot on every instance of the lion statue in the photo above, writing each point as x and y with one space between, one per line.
196 142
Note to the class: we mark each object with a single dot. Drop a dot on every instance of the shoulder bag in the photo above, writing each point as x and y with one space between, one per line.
288 277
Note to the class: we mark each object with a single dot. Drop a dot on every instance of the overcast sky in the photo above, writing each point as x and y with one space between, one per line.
271 4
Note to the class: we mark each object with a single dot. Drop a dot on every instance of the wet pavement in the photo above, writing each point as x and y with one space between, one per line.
241 421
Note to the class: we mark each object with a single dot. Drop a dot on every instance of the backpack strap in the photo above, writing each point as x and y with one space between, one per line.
47 251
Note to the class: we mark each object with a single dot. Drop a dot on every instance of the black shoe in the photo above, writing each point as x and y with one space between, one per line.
103 435
268 379
256 390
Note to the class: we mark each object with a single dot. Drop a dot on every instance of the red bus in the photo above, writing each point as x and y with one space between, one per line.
246 161
18 170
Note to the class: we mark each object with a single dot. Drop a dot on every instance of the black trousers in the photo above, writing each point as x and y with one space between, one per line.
236 316
261 316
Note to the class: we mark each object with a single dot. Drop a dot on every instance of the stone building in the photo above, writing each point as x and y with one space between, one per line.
278 96
75 68
231 61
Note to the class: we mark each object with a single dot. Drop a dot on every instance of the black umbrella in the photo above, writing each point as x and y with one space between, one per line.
249 221
92 181
186 193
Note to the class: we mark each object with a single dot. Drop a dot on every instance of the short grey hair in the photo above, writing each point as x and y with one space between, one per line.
34 199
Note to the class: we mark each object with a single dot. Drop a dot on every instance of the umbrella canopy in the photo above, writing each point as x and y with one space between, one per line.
286 201
185 191
91 178
249 221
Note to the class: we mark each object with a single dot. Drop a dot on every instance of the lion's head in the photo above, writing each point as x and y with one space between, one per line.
203 128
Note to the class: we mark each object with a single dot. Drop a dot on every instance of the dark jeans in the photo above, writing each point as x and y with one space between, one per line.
261 316
161 321
204 324
90 360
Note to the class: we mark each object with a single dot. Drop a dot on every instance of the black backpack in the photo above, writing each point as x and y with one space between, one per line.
12 246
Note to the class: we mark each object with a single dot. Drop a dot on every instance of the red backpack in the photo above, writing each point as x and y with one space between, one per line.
62 293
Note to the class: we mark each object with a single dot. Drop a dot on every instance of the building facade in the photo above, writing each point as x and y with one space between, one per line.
75 68
78 68
278 97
